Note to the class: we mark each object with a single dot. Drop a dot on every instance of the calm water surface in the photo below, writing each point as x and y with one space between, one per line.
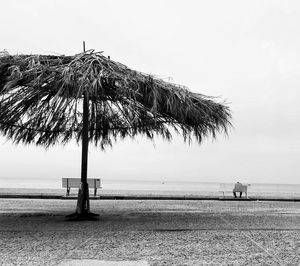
189 186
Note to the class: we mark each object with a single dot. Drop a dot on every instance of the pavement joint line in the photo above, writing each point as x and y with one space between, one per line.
161 230
219 229
67 254
39 231
273 256
76 247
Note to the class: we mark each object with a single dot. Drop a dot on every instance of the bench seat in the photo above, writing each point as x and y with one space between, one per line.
229 188
74 182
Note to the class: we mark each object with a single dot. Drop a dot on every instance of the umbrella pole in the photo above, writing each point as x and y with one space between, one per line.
83 201
83 204
83 193
83 207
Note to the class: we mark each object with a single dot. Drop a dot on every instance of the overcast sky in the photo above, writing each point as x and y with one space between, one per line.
246 52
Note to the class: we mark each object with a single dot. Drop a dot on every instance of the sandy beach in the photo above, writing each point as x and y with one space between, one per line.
148 232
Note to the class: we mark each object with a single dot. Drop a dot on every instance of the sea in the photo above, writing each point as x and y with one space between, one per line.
163 187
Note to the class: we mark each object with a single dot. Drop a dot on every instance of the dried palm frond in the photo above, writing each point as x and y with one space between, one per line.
41 101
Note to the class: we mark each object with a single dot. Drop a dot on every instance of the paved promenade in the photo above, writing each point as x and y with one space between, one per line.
150 232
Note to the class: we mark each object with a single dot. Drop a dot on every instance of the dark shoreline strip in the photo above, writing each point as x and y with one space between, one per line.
142 197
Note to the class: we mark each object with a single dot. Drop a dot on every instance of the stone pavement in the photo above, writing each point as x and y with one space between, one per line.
145 232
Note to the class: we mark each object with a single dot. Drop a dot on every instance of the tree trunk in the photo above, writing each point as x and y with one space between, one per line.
83 204
83 201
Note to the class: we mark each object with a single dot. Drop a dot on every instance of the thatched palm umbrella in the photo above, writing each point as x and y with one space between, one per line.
47 99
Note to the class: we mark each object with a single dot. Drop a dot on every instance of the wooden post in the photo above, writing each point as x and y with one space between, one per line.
85 138
84 46
85 134
83 201
83 206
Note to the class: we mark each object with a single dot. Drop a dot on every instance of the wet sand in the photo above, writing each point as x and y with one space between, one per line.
35 232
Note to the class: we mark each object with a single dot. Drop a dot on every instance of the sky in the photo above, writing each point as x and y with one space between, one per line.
245 52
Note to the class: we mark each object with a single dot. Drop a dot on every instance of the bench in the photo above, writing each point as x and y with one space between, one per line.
226 188
74 182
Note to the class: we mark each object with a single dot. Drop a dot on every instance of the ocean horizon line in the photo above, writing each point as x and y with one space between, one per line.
135 180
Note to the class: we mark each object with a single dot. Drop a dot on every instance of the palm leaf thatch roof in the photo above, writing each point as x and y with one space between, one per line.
41 101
